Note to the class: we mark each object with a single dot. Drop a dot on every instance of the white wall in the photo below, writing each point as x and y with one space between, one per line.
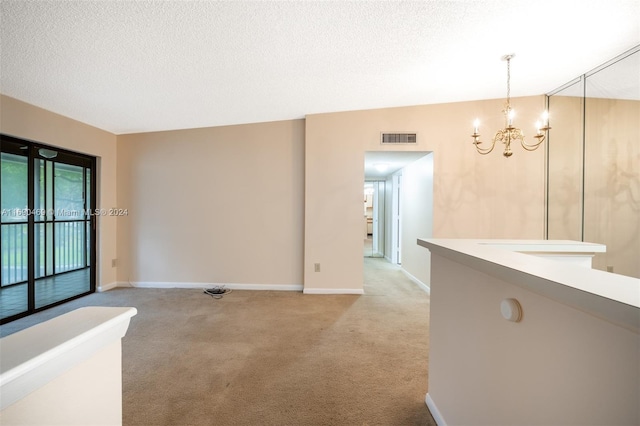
89 393
417 216
388 227
559 366
381 218
65 371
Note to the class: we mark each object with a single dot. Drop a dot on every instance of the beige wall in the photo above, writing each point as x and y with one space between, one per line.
225 204
213 206
29 122
474 196
416 194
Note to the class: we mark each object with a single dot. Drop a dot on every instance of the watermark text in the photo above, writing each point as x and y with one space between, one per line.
17 213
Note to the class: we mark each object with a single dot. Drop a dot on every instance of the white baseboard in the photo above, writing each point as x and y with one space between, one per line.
107 287
435 413
236 286
232 286
420 284
333 291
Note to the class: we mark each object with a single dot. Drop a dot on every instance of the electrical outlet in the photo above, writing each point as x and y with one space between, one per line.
316 267
114 263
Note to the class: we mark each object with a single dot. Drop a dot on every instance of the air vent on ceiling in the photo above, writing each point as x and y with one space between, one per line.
396 138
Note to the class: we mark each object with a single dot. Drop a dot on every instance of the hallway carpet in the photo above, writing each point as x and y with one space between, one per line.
273 358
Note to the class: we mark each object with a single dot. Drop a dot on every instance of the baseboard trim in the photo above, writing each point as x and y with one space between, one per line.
333 291
435 413
232 286
420 284
107 287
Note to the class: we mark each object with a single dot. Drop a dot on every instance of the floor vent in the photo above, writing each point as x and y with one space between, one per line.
397 138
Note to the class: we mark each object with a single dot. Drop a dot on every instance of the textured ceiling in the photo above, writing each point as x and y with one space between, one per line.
134 66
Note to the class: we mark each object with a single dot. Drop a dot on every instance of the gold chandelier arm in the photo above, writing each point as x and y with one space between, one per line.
532 147
477 142
485 151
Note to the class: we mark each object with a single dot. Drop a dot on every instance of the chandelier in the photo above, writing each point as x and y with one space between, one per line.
511 133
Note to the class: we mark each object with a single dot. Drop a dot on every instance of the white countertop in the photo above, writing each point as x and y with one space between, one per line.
545 246
32 357
616 297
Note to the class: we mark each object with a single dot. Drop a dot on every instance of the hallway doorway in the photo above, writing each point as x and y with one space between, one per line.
383 217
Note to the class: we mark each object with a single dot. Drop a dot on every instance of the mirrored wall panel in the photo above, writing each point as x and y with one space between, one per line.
593 191
374 218
565 168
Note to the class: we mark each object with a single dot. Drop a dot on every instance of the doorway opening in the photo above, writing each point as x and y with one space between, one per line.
384 201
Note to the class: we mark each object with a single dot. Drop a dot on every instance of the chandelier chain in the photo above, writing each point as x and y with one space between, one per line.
508 81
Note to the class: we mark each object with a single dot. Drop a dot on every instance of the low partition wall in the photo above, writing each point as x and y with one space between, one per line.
65 371
519 339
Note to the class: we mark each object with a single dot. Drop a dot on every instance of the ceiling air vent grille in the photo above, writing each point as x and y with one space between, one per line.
397 138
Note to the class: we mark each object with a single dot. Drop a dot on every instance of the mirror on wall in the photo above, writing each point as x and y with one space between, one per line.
564 149
374 218
593 177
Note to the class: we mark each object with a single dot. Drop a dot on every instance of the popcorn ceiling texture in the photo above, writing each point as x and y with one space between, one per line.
134 66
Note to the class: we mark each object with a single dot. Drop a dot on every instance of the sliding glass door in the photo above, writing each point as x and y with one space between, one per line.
47 235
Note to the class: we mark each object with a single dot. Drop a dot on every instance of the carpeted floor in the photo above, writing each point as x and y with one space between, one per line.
273 358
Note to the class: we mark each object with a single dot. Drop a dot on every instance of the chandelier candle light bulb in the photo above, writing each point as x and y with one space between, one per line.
511 133
510 116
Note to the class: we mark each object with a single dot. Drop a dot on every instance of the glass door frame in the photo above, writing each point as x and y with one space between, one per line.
37 151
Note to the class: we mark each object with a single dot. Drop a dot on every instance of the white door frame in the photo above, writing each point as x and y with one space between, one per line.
376 217
396 220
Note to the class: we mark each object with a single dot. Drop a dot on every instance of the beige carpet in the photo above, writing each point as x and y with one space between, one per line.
273 358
